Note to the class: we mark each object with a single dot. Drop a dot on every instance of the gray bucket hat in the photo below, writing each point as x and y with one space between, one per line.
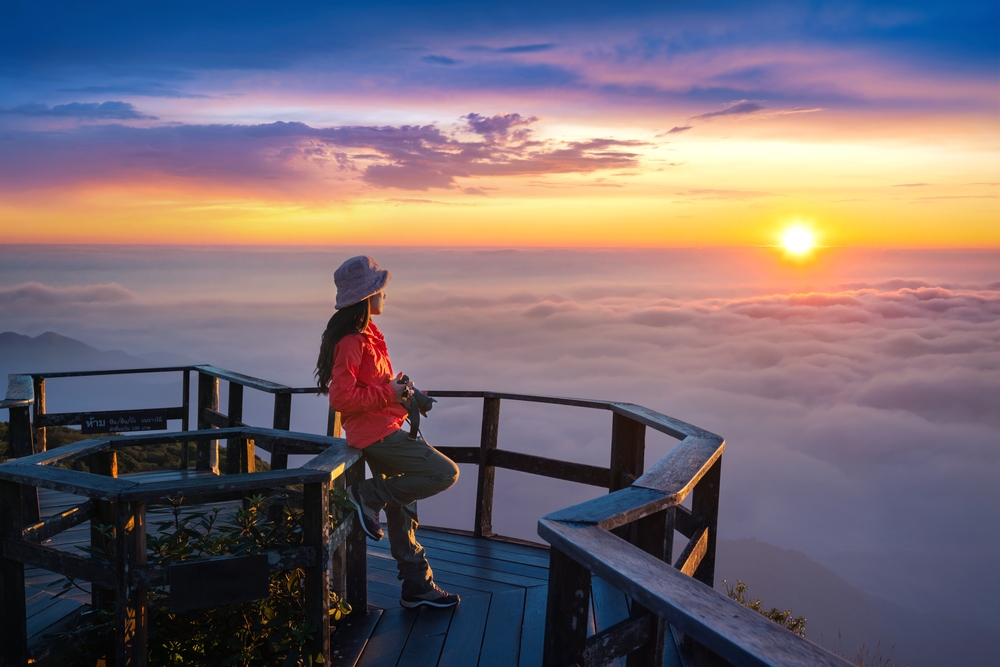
357 279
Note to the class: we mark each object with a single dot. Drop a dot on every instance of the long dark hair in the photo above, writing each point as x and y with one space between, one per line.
346 321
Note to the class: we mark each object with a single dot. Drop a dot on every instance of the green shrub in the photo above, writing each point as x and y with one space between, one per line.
796 624
267 632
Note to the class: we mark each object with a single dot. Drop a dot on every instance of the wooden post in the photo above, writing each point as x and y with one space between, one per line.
102 463
131 611
239 451
487 473
13 611
357 564
316 534
39 410
654 535
282 422
338 559
334 428
705 512
566 612
186 418
628 451
208 397
22 444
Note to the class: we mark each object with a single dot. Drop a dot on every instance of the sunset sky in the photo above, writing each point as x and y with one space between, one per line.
528 124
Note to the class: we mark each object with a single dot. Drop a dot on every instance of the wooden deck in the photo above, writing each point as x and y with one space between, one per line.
499 623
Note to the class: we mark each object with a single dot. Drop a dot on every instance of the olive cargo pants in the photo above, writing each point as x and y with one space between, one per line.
403 472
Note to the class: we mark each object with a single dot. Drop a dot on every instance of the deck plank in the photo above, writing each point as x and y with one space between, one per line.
514 553
502 640
609 607
481 561
446 576
388 638
351 637
465 636
533 627
477 543
423 646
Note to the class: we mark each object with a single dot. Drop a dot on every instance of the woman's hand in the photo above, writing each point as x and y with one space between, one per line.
402 390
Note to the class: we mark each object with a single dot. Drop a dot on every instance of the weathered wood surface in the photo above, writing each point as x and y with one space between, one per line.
487 473
120 371
738 634
281 421
59 561
628 448
240 379
216 419
68 481
693 552
131 598
38 409
57 523
619 640
66 452
682 468
13 613
460 454
529 398
567 608
615 509
657 421
580 473
316 533
192 489
705 512
352 637
207 457
683 523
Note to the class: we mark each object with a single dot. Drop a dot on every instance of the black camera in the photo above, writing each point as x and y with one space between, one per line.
417 403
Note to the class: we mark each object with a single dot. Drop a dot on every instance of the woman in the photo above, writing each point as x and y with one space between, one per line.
354 368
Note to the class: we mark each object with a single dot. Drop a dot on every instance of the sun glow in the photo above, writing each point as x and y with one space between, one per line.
798 240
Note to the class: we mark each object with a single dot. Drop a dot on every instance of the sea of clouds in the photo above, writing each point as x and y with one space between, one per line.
857 392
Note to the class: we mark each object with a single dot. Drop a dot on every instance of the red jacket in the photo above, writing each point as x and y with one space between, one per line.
361 390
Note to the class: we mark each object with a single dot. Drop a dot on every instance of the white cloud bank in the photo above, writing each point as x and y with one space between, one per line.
858 402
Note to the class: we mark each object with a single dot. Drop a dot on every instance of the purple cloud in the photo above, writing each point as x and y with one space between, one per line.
738 109
290 156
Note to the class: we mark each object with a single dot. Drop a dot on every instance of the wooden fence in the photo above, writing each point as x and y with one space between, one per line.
626 537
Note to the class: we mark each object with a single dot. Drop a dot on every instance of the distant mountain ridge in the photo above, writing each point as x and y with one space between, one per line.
842 617
50 352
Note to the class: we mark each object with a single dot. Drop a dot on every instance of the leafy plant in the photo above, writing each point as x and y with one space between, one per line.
271 631
796 624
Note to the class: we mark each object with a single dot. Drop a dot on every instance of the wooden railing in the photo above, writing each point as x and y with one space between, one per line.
625 537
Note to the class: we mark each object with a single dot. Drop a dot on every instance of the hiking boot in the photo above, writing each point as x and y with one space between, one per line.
367 517
432 598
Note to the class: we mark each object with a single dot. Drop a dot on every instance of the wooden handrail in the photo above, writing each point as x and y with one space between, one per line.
625 537
735 633
128 575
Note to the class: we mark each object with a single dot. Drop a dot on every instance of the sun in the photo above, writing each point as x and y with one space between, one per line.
798 240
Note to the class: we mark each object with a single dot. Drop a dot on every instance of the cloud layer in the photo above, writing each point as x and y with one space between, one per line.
294 155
